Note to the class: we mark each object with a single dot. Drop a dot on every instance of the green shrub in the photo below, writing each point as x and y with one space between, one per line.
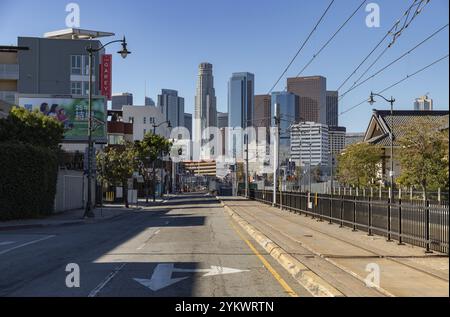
28 179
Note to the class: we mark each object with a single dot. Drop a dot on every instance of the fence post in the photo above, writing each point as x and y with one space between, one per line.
341 212
400 220
320 206
427 226
331 210
389 217
354 214
369 220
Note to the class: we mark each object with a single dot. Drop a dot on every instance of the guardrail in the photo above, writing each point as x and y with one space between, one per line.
424 224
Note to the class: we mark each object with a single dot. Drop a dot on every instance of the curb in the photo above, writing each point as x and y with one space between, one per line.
313 283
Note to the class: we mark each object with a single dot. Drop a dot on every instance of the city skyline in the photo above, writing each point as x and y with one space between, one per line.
166 68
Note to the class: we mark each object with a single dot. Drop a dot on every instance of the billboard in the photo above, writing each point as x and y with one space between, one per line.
106 76
73 113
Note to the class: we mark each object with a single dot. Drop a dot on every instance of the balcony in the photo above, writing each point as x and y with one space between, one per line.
8 96
9 71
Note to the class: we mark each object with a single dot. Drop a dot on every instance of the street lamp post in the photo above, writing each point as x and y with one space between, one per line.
391 191
154 161
124 53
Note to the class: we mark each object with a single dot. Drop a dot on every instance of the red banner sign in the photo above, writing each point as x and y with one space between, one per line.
106 76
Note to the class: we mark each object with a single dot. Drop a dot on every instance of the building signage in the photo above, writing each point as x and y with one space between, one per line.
73 114
106 76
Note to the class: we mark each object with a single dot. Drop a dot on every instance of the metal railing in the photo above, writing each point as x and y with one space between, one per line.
424 224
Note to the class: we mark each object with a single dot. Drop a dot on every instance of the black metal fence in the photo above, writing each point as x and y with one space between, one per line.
419 223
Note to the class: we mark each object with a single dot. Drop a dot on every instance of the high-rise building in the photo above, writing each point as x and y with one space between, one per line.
188 123
205 114
222 120
312 92
172 106
423 103
354 137
149 102
241 92
310 144
332 108
284 107
120 100
337 141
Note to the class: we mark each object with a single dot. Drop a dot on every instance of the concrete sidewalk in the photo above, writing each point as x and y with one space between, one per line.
344 258
67 218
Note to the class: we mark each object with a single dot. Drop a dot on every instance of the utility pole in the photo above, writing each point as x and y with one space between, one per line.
276 154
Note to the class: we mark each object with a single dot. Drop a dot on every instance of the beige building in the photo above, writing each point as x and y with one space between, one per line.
9 76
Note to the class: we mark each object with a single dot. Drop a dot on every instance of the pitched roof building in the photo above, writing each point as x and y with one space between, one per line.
380 127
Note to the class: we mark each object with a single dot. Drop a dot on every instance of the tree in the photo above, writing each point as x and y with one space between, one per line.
147 151
358 165
116 165
31 127
424 156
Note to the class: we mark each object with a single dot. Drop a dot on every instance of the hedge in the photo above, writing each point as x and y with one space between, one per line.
28 177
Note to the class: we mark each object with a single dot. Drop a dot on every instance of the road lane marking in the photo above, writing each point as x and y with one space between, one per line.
25 244
267 265
6 243
111 275
148 239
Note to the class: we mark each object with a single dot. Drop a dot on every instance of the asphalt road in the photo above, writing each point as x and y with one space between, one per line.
187 247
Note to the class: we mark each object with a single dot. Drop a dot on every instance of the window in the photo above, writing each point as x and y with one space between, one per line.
75 64
130 119
86 88
86 64
152 120
75 88
145 120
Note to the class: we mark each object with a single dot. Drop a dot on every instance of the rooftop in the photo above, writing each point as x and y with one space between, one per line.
76 34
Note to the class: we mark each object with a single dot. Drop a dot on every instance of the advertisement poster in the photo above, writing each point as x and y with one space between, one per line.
73 113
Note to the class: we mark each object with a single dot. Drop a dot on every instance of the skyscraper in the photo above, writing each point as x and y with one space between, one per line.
149 102
312 92
332 108
222 120
205 114
423 104
120 100
284 107
241 92
172 106
188 123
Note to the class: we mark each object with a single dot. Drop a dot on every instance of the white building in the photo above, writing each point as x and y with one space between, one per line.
143 119
310 144
423 104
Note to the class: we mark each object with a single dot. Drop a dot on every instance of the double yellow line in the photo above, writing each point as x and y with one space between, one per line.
267 265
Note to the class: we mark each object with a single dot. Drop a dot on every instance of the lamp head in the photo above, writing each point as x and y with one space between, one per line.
169 125
371 99
124 52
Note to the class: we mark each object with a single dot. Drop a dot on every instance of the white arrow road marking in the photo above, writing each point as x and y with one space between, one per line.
161 278
214 270
162 275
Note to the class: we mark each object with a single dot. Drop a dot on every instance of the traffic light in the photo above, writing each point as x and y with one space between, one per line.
180 151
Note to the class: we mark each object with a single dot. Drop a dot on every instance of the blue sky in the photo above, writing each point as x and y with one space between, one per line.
169 38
